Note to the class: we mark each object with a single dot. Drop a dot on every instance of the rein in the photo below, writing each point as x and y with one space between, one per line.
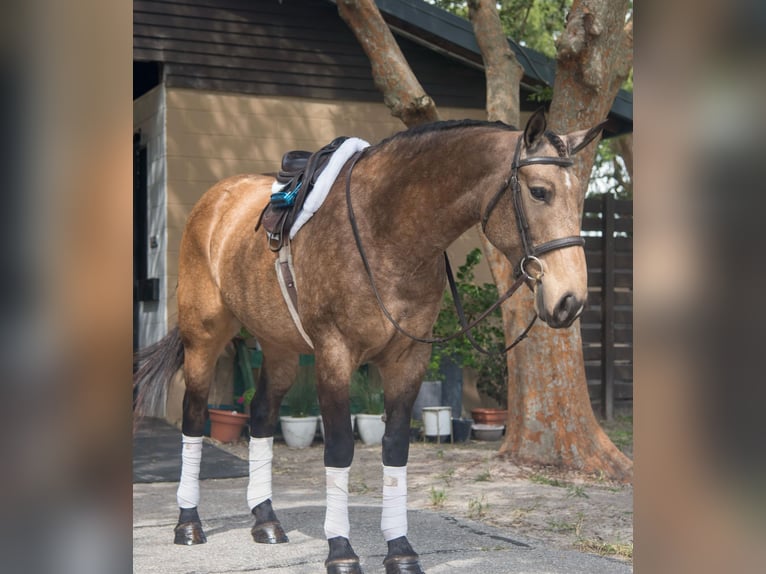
521 275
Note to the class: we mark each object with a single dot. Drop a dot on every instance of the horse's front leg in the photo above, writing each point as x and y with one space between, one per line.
333 376
278 372
402 379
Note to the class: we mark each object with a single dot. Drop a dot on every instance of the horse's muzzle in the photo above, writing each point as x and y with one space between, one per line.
567 310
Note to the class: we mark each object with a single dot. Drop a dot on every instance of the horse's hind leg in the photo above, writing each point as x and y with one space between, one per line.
204 333
277 375
402 381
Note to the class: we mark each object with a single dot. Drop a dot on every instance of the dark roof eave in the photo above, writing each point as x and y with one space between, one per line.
452 33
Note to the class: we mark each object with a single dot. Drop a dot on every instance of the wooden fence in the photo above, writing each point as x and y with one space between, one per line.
607 323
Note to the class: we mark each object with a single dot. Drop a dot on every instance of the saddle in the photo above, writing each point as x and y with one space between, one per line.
299 172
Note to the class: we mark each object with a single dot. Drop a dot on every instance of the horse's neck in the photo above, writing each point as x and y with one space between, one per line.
427 196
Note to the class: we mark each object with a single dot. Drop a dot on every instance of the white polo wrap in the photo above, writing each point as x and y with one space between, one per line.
336 520
393 519
260 456
191 457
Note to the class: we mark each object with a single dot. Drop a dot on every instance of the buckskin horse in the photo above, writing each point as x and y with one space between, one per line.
370 273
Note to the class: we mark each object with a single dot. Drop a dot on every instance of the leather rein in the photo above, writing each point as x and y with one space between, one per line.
531 252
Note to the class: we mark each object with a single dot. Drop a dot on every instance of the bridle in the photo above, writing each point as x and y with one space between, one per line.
521 275
531 251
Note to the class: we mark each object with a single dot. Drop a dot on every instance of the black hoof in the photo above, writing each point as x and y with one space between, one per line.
269 533
403 565
343 566
188 533
401 558
342 558
267 529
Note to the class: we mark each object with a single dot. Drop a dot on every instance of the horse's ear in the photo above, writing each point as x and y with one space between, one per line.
535 128
578 140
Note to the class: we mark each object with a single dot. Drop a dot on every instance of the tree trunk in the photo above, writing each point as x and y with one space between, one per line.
550 416
402 92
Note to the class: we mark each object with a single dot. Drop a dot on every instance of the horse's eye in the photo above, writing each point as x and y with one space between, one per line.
539 193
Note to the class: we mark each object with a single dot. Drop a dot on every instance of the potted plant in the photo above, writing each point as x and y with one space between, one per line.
367 397
299 427
491 370
228 421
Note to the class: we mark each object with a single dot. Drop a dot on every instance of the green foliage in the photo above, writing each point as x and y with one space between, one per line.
438 497
477 507
609 173
367 391
492 370
301 399
244 372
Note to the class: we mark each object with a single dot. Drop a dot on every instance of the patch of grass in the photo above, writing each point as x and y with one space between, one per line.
620 431
438 497
619 549
447 476
562 526
477 507
359 488
547 480
440 453
485 476
576 491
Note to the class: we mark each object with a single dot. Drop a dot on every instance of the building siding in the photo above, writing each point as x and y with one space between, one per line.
299 48
149 118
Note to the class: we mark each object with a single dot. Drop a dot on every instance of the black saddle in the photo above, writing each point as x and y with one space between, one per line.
299 172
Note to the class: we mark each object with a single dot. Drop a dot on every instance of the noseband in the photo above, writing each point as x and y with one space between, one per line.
531 251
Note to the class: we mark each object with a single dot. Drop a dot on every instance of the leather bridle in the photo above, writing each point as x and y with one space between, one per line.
521 275
531 251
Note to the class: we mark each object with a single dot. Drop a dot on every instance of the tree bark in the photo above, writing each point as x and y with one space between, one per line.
550 416
503 72
402 92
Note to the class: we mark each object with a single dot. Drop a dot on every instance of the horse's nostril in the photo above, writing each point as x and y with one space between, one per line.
566 309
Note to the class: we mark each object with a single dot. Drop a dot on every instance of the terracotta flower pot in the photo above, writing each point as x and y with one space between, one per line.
489 416
226 426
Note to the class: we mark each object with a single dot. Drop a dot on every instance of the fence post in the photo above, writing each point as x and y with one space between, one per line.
607 309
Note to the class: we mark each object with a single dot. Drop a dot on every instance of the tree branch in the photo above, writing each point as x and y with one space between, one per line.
502 70
402 92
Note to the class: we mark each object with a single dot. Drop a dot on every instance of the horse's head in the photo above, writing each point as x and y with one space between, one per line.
535 219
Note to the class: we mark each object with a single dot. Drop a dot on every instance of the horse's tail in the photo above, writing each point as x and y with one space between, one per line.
156 365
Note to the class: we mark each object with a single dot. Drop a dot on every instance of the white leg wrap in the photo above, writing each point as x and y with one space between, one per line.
393 520
260 457
191 457
336 520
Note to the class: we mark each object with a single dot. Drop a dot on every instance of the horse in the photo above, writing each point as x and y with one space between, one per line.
370 273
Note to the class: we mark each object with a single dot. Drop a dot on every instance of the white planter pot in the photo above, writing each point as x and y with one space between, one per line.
437 421
298 432
371 428
321 425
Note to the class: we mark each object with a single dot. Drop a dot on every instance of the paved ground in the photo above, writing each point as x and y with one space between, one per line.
445 543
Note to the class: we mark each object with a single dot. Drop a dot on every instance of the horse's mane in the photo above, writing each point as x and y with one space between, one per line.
429 128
